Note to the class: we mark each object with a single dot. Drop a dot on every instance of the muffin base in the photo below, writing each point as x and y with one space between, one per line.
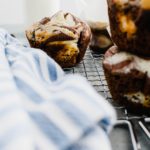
119 85
128 82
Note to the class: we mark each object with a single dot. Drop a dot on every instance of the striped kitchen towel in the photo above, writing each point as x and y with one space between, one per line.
41 108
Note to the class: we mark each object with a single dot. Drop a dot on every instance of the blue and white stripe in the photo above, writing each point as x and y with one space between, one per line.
42 108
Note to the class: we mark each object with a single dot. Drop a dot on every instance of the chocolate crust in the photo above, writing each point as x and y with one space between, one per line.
84 41
66 43
120 84
138 42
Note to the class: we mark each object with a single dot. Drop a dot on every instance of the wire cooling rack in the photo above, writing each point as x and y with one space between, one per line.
131 131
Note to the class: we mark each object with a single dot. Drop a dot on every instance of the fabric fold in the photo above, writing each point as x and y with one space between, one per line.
42 108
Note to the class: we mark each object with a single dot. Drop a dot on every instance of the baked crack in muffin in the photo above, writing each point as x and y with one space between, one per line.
63 36
128 78
130 25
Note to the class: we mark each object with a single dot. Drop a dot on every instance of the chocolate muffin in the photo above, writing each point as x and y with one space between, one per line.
63 36
101 40
128 78
130 25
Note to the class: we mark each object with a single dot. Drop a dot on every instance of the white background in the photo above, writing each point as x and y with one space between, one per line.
27 11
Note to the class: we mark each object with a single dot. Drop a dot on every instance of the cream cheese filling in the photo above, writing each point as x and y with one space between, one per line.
127 25
60 19
69 46
66 44
137 63
121 2
138 97
145 4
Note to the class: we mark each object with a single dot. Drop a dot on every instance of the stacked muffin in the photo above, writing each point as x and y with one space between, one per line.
127 65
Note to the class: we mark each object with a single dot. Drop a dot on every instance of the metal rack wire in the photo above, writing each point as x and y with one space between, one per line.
131 132
138 126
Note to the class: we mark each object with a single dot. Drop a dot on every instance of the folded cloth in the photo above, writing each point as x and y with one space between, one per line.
41 108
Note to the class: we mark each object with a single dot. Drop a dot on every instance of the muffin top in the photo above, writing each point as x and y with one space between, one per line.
123 62
60 27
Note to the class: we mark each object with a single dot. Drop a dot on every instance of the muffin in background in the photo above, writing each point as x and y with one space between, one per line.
63 36
130 25
128 78
101 40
